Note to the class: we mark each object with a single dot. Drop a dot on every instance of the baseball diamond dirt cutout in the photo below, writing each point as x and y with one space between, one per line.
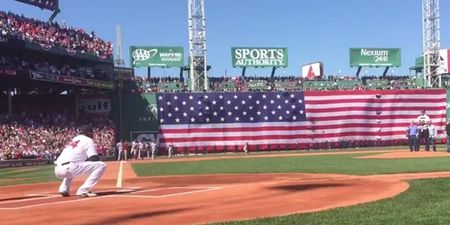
186 199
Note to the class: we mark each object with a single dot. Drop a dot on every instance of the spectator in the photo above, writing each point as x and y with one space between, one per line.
53 35
43 135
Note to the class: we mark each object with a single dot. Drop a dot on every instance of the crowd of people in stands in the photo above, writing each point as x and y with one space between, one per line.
155 84
387 77
41 65
390 82
287 83
43 135
53 35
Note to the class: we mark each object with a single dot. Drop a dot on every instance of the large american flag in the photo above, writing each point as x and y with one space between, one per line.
261 118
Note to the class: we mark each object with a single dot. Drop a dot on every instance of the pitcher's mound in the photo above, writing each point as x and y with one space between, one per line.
406 154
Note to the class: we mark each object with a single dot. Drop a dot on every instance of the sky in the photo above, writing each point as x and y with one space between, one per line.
312 30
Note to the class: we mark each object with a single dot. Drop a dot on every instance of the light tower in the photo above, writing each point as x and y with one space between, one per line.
198 79
119 57
431 42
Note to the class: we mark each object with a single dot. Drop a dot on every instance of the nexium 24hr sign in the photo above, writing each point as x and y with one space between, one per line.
375 57
259 57
146 56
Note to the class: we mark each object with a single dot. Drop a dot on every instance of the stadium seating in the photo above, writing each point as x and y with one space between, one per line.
227 84
42 135
171 86
52 66
257 85
53 35
311 85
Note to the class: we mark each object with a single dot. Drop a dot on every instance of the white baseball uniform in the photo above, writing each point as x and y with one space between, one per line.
245 148
120 151
153 147
170 150
72 162
423 119
134 149
140 150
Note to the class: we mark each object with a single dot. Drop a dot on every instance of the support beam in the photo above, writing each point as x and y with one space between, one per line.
431 42
243 71
358 71
198 78
272 74
385 71
181 74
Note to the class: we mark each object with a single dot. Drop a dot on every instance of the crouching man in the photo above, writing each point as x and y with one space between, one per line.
80 157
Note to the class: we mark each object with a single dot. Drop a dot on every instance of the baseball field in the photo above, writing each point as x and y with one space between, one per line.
368 186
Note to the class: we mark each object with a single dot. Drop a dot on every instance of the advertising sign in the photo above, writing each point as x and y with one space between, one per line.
312 70
95 105
148 56
140 115
70 80
444 61
123 72
374 57
259 57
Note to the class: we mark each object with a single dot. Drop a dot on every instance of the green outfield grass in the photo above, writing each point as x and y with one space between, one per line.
27 175
426 202
342 164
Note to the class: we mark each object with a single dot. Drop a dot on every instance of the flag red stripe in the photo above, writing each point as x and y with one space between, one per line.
381 101
411 92
274 136
285 128
375 109
369 117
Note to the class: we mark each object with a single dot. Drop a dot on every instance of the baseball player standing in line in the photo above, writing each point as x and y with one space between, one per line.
134 149
79 157
246 148
153 148
170 150
140 150
147 150
119 150
126 148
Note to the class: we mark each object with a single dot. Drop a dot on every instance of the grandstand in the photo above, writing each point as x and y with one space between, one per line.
237 83
54 78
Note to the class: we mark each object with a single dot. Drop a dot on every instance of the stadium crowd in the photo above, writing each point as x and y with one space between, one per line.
41 65
53 35
287 83
43 135
155 84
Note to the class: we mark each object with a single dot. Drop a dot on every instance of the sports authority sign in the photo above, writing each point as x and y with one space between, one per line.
259 57
147 56
374 57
